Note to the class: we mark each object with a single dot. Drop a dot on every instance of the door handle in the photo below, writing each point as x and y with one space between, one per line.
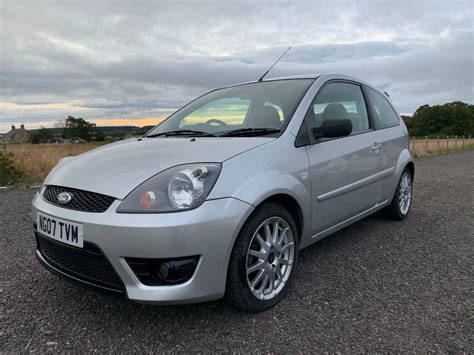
376 147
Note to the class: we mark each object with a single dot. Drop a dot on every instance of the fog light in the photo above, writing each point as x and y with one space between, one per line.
161 272
175 271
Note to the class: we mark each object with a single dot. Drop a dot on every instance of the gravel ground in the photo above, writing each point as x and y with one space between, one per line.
375 286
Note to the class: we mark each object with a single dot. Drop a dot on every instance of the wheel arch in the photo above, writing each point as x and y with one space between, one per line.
283 188
411 166
291 205
405 161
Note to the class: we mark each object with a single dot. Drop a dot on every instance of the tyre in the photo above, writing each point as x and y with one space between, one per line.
263 259
401 203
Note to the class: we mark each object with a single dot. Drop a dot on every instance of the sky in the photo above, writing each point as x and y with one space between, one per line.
135 62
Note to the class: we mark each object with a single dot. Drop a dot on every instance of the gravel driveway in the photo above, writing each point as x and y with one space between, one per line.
375 286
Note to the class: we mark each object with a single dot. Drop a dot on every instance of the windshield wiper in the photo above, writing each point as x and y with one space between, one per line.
182 132
248 132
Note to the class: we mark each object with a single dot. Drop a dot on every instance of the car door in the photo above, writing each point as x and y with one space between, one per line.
391 135
343 170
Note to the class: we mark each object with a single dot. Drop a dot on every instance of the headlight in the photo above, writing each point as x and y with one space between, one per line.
180 188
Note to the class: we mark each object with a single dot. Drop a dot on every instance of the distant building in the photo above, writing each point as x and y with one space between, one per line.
17 136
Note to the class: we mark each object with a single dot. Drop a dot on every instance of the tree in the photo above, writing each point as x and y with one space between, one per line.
43 135
60 124
99 136
455 118
78 128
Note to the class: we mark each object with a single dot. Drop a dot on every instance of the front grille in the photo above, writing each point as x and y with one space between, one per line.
83 201
87 264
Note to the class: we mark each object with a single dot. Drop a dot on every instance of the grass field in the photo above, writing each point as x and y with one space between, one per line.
36 160
424 147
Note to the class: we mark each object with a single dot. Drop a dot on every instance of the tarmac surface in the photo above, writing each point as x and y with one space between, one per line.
375 286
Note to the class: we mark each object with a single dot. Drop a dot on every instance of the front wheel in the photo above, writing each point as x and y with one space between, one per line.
263 259
401 203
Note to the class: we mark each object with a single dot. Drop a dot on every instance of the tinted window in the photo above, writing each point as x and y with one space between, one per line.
339 101
384 113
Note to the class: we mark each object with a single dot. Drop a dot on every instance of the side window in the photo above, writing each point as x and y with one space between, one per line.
339 101
384 113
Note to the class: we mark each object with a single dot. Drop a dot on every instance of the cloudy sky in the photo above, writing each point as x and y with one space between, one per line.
135 62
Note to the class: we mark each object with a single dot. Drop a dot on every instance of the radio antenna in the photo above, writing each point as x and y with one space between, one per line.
261 78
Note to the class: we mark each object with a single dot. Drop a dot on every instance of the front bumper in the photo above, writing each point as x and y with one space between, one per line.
208 231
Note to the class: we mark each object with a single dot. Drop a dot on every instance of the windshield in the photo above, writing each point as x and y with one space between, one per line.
258 107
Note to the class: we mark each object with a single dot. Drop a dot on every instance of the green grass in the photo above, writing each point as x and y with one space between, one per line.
9 173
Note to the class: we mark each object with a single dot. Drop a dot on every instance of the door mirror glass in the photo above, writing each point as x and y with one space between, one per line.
333 128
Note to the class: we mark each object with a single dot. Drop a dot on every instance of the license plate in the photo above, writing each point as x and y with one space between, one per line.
58 229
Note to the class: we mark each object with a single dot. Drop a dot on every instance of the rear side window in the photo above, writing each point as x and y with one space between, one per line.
339 101
384 113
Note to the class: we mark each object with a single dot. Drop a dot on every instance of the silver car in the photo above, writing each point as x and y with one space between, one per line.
217 200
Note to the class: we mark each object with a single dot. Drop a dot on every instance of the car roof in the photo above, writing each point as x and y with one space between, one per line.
303 76
325 77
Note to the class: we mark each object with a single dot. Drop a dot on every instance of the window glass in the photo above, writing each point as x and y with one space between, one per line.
256 105
276 107
340 101
232 111
384 113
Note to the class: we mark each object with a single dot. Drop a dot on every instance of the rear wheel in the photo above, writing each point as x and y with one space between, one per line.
401 203
262 260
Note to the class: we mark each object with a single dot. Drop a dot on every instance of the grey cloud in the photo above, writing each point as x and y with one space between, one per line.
328 53
133 59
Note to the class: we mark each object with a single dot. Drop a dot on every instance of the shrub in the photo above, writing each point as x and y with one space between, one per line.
455 118
9 174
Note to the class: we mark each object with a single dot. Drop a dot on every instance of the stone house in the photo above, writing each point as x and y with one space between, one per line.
17 136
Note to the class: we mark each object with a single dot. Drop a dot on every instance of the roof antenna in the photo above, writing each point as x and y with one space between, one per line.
261 78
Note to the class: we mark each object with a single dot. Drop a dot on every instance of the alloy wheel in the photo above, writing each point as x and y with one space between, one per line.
405 193
270 258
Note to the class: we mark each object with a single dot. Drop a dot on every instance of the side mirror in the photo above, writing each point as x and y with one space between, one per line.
333 128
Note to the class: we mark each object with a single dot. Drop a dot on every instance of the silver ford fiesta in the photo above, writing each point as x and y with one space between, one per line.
217 200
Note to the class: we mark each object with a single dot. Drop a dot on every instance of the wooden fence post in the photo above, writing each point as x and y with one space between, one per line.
426 145
437 138
463 142
456 143
447 143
